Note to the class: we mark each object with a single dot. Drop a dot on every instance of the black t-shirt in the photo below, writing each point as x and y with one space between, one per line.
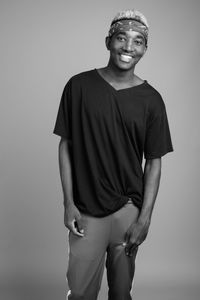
111 130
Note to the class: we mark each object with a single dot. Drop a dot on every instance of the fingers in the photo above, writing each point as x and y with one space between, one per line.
73 221
75 228
79 226
78 223
130 245
127 237
130 249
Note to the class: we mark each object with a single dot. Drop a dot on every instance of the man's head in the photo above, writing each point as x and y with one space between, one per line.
127 39
129 20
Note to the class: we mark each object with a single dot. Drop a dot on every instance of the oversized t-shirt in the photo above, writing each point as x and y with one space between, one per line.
111 131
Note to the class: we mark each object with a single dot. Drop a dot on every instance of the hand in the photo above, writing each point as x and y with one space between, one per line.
72 220
135 235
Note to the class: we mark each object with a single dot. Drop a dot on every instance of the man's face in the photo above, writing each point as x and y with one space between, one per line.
126 49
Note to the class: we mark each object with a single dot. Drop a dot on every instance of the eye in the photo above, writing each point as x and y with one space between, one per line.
138 42
121 38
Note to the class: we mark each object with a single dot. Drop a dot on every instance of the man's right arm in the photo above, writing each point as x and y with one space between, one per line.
72 216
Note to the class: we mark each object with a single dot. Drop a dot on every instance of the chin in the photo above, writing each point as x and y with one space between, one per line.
125 67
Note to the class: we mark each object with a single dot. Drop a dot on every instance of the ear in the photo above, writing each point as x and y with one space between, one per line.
145 49
107 42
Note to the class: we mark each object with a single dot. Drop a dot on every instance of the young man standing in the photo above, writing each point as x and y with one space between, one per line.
108 119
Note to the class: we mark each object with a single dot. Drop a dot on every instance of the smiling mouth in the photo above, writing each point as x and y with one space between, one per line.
125 57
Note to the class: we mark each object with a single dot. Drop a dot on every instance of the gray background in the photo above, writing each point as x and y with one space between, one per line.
43 43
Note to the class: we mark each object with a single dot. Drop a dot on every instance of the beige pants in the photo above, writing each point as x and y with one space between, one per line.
87 256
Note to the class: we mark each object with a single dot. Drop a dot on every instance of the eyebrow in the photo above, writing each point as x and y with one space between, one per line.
138 36
120 32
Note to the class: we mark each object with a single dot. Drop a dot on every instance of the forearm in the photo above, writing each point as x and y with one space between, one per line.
66 171
152 174
138 231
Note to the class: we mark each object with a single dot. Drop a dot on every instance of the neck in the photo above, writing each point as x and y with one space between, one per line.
119 75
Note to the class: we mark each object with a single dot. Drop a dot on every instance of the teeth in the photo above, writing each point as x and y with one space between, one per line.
125 58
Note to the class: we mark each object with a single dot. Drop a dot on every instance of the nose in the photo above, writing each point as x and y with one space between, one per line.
128 46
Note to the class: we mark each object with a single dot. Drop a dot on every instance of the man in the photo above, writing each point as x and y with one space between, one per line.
108 120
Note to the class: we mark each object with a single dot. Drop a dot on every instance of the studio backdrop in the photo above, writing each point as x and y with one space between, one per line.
43 44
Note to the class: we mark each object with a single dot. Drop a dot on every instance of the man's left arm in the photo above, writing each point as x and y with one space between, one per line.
137 232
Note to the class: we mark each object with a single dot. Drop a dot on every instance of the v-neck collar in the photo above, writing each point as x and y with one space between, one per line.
120 90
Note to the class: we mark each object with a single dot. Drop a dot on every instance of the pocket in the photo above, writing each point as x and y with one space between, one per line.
90 246
123 218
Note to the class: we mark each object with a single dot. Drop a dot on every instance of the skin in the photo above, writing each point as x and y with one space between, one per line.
138 231
72 216
120 75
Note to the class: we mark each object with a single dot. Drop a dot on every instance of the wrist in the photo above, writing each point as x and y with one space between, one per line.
144 219
68 202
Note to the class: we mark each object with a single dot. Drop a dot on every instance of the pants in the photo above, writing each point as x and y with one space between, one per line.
87 256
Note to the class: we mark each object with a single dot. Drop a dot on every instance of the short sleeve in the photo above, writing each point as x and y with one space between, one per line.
63 120
158 138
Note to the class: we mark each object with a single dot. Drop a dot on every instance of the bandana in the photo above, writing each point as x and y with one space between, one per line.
129 20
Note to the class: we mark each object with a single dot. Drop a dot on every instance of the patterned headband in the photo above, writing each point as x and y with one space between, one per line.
129 20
